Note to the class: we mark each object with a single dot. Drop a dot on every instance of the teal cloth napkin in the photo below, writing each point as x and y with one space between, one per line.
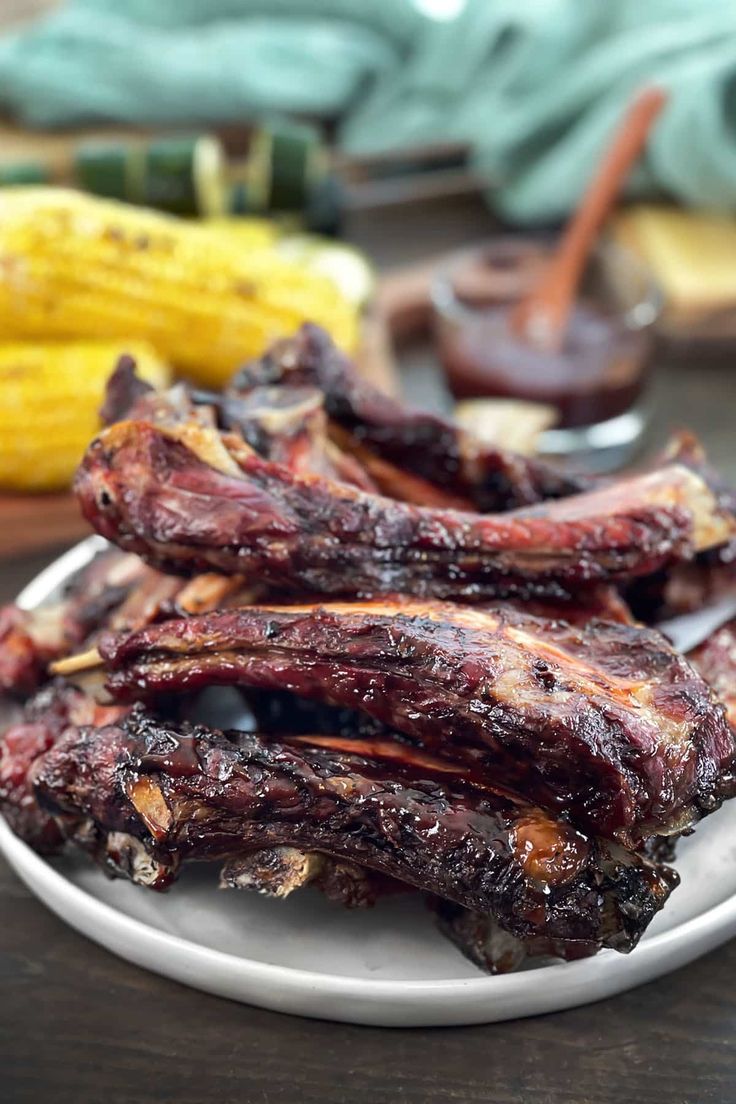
535 86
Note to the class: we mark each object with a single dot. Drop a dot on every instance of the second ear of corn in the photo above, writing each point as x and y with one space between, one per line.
50 394
73 266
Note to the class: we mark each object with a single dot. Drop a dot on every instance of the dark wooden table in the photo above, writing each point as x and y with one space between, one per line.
78 1026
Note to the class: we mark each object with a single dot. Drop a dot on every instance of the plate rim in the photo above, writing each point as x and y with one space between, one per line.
377 1001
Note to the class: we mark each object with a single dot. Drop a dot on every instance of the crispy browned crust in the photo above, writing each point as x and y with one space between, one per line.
605 722
165 494
187 793
380 428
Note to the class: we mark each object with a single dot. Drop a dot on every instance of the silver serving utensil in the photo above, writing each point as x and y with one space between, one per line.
690 629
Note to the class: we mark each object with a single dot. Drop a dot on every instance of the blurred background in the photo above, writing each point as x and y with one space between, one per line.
522 212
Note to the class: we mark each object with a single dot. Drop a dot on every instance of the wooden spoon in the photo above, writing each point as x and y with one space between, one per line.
541 317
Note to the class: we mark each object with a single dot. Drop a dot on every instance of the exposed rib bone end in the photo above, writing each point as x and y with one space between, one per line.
273 872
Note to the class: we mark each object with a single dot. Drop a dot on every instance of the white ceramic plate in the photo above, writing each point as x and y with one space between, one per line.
386 966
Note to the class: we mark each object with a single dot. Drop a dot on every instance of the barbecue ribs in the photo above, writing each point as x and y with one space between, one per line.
188 793
30 639
715 659
511 759
45 717
178 498
286 425
426 445
604 722
116 591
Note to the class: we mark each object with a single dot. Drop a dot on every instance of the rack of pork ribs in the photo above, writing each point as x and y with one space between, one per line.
441 647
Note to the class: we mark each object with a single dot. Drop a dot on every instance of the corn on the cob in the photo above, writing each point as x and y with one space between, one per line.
49 397
75 266
247 231
341 263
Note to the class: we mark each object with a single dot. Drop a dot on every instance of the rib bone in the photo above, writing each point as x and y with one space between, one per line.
150 493
228 795
604 721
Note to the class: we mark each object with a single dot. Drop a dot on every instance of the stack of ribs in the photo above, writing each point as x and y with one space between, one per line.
433 641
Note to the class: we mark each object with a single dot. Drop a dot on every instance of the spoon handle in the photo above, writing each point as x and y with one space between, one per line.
541 318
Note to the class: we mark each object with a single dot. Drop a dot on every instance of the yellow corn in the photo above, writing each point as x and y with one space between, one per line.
341 263
49 397
76 266
248 231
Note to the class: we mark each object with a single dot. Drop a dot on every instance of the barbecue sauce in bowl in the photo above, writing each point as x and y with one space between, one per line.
602 367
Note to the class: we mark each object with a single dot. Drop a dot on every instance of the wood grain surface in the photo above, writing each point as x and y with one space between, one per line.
78 1026
81 1027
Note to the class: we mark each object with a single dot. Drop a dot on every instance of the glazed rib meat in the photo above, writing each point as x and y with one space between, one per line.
114 591
189 793
179 498
286 425
30 639
426 445
711 575
44 719
604 722
525 761
715 659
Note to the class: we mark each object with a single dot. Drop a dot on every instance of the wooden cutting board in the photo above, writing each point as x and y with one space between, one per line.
30 523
